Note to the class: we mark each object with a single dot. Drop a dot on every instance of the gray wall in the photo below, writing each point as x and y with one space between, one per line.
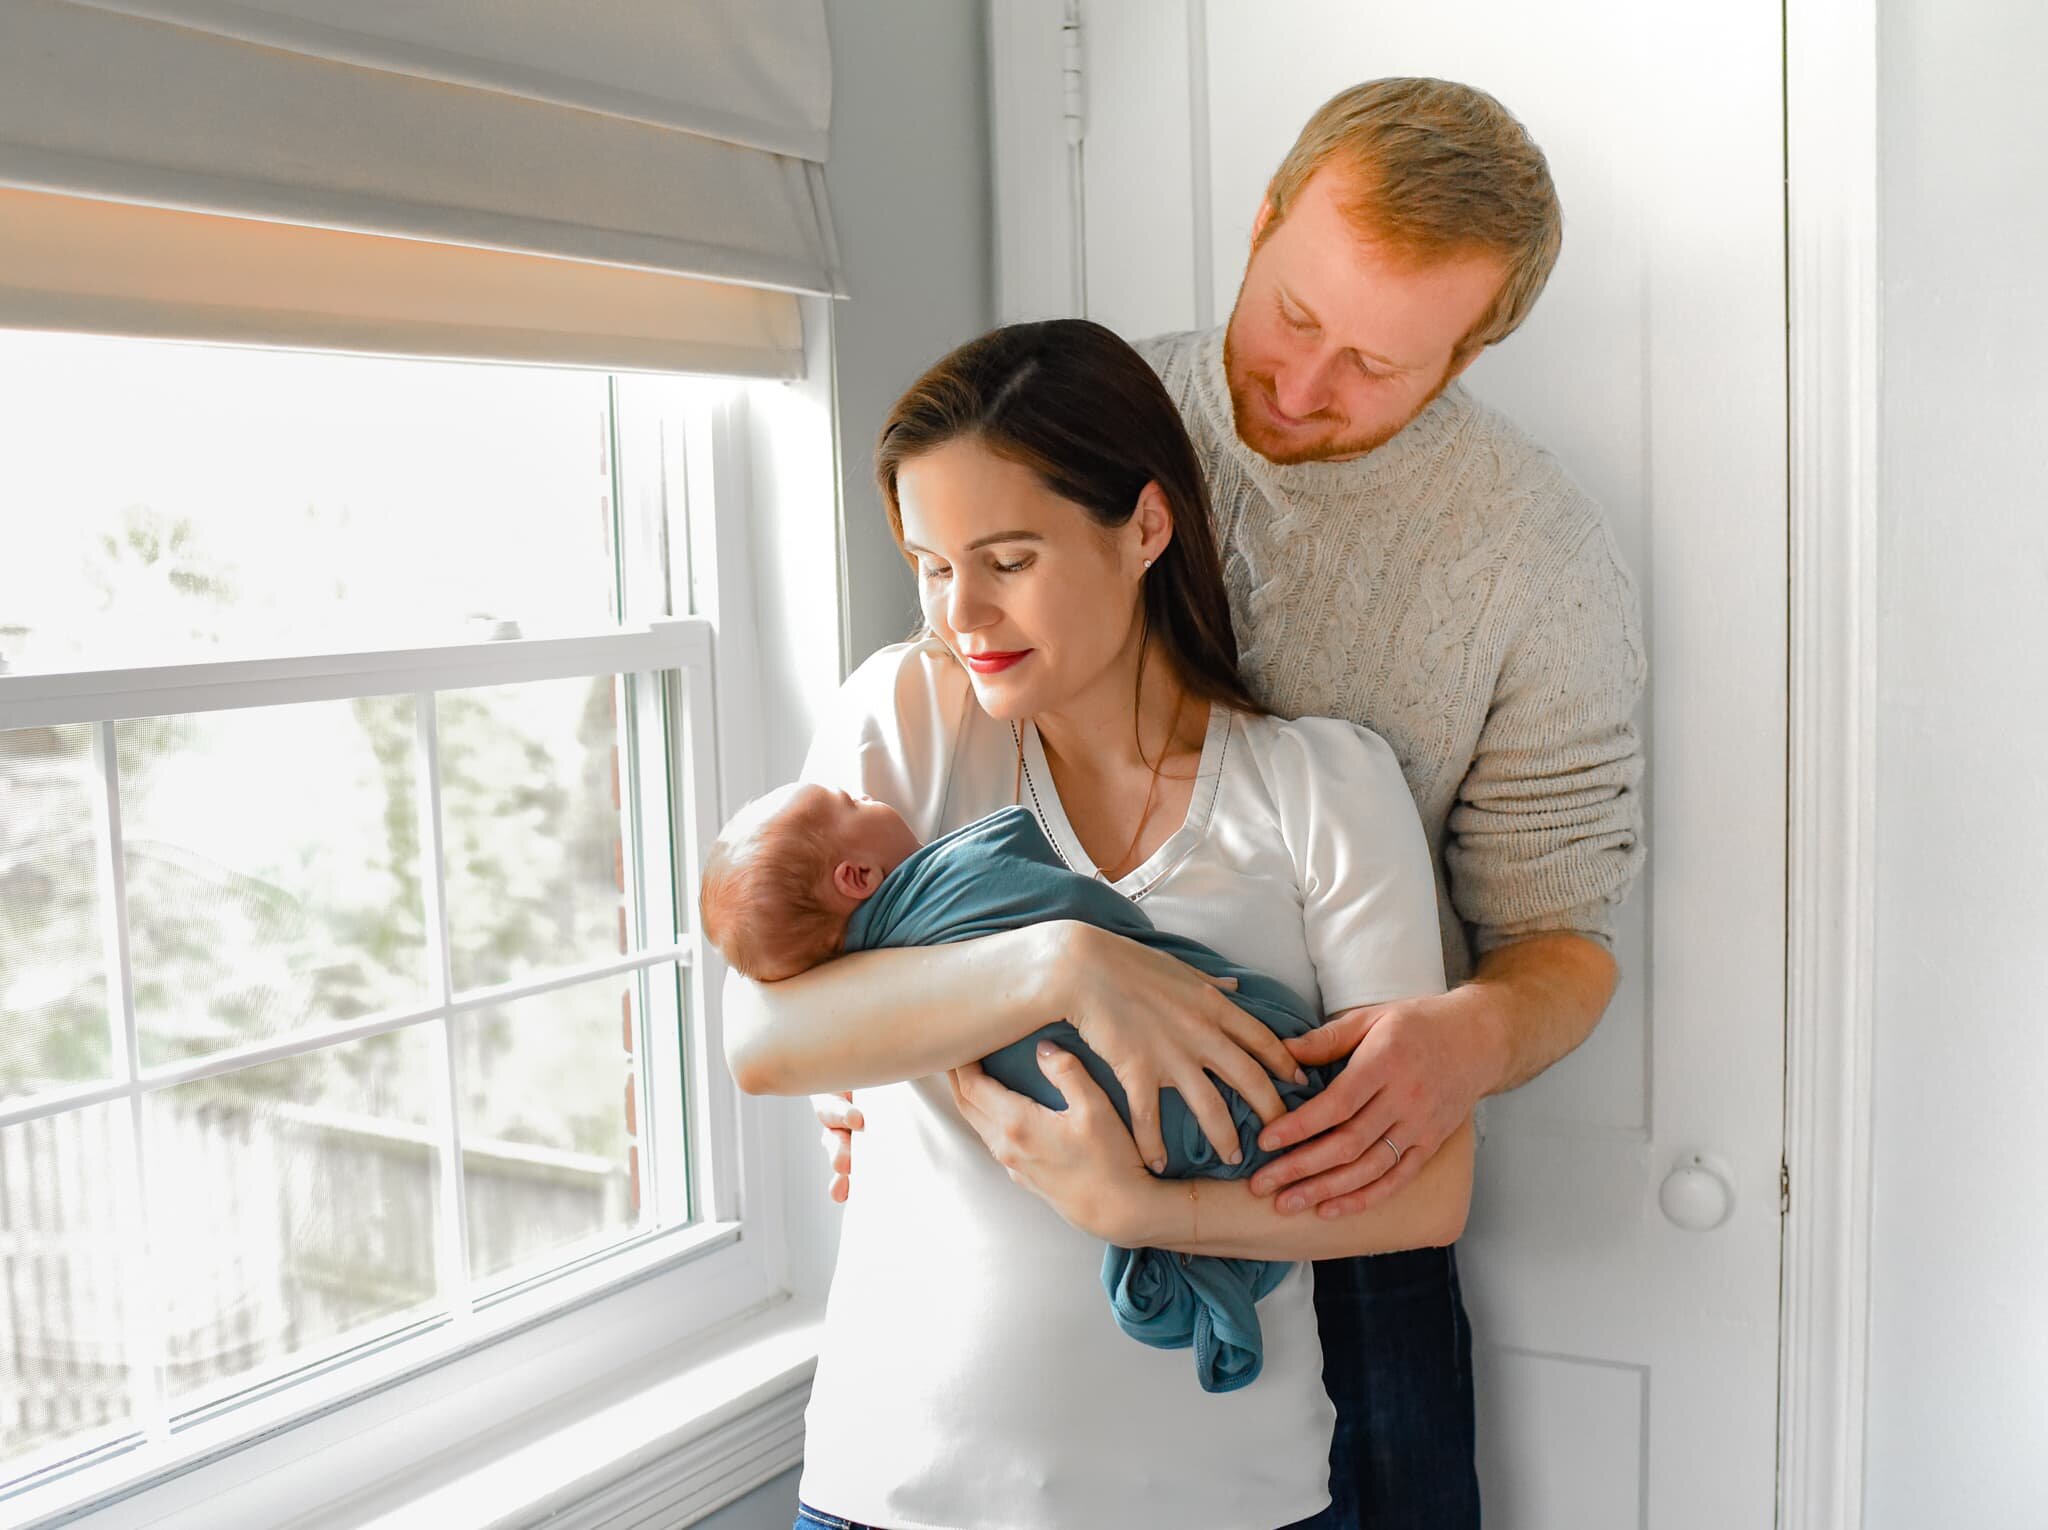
908 178
1959 1361
909 181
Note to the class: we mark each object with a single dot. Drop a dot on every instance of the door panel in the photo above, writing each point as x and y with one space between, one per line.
1627 1366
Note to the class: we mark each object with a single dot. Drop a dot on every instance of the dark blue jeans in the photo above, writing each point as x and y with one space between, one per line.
1397 1362
808 1518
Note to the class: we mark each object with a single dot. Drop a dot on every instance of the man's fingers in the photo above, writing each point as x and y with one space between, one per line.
1341 1180
1345 1098
1227 984
1332 1153
1383 1188
1326 1043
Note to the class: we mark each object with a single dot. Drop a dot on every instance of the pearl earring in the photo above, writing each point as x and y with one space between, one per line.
1148 563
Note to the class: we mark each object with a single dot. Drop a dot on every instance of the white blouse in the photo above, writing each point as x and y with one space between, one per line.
972 1377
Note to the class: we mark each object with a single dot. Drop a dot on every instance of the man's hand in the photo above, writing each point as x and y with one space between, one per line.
836 1113
1417 1068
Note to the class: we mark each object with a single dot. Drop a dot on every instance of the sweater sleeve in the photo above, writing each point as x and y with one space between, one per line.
1546 832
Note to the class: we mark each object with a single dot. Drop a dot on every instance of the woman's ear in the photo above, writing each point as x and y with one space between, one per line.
1154 520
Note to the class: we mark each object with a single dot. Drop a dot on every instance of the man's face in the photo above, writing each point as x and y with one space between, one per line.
1336 341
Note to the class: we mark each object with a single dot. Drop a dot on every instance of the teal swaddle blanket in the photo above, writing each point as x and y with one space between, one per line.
1000 873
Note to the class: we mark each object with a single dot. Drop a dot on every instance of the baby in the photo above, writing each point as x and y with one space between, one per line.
786 875
806 873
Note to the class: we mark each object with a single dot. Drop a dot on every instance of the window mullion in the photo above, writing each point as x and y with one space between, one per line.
452 1252
142 1315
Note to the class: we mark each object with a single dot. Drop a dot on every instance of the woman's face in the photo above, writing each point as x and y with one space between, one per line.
1037 600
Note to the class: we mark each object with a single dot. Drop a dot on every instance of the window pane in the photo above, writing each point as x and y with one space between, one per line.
63 1343
273 870
532 828
547 1113
180 499
53 985
294 1207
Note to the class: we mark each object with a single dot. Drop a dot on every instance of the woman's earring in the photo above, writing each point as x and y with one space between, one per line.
1148 563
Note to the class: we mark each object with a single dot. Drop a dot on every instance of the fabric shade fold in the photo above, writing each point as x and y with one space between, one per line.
555 177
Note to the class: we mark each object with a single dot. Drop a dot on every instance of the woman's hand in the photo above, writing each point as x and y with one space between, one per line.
1080 1161
1160 1023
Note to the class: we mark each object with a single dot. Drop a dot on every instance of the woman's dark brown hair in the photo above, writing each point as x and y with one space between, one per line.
1071 401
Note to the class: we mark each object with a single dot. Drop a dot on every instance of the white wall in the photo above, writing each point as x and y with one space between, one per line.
1959 1362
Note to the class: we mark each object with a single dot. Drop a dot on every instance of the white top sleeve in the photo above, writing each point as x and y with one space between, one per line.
1368 888
893 729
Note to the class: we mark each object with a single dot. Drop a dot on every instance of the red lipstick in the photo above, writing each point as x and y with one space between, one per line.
993 663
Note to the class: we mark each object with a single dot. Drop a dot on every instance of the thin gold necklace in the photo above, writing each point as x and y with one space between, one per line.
1151 792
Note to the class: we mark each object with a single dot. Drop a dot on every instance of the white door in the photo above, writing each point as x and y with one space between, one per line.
1627 1364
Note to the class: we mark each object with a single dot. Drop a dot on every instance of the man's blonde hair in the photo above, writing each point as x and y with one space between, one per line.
1437 169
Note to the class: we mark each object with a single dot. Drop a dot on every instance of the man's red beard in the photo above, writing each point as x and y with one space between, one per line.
1250 392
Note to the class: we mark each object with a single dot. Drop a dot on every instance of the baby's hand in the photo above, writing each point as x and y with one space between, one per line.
836 1113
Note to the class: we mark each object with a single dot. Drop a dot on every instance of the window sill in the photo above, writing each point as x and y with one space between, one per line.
689 1430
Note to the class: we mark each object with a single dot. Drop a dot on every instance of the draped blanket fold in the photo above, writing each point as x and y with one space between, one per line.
1001 873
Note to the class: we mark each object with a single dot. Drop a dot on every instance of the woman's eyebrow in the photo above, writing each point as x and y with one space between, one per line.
1000 536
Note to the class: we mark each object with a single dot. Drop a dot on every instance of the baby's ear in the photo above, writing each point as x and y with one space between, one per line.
855 880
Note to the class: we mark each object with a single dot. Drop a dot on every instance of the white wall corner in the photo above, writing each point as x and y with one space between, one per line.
1833 357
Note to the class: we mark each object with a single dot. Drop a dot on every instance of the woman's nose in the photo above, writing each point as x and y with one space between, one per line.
967 607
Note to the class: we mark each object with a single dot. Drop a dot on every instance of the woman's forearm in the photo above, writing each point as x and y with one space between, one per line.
877 1017
1223 1217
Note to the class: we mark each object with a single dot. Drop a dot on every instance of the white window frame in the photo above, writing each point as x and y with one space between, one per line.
707 1305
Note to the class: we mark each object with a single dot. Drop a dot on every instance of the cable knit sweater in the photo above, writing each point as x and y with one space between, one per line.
1455 592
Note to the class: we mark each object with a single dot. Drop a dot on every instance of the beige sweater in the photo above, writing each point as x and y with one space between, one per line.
1455 592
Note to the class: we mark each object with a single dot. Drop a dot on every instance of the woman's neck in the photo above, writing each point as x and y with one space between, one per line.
1093 732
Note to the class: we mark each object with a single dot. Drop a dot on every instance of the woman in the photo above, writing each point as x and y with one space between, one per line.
1079 660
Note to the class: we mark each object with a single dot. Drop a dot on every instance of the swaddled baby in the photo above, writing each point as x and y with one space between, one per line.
806 873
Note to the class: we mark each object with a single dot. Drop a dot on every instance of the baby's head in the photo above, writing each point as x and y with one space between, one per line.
787 873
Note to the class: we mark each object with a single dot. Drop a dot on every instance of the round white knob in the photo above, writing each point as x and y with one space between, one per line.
1699 1193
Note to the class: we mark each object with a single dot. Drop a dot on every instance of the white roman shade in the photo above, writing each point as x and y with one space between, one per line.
622 182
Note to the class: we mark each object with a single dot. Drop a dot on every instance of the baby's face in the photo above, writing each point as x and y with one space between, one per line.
862 830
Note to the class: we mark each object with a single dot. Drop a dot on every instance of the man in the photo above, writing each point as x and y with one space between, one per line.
1400 555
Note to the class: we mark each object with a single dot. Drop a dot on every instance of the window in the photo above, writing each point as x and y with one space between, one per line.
357 741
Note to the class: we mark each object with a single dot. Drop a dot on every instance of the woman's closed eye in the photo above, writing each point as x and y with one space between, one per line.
933 571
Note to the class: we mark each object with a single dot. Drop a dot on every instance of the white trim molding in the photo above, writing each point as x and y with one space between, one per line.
1833 358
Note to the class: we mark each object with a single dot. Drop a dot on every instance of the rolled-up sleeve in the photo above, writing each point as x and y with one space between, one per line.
1546 833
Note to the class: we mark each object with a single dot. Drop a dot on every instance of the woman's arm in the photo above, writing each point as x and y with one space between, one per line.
880 1016
877 1017
1083 1164
1223 1217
